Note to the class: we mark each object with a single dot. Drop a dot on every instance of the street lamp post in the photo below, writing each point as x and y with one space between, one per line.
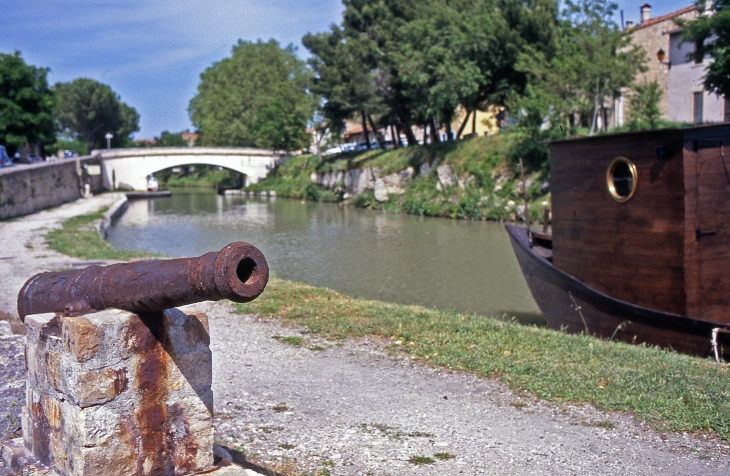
108 140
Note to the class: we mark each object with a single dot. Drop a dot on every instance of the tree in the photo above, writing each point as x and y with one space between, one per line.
711 33
592 61
258 97
343 77
408 63
644 112
170 139
88 110
26 104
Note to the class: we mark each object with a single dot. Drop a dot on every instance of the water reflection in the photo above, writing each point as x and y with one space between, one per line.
448 264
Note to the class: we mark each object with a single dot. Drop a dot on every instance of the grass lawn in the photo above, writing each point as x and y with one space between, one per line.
77 237
672 391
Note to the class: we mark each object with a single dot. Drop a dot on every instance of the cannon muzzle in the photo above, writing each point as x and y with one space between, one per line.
238 272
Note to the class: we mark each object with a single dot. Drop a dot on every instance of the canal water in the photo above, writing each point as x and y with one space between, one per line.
435 262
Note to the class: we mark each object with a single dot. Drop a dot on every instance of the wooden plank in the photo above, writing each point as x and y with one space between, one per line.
619 243
691 265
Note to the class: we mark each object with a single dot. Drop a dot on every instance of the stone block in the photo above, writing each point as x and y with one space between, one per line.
81 338
115 393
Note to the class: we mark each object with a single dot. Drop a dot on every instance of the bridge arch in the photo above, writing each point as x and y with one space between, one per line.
132 166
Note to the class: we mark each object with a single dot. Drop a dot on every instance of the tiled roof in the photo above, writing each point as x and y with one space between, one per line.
668 16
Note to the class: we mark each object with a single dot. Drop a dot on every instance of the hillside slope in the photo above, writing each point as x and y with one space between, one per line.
475 178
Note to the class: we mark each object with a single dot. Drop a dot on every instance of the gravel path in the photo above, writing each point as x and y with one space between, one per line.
355 409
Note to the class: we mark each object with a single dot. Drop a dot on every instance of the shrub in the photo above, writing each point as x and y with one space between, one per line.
328 196
312 192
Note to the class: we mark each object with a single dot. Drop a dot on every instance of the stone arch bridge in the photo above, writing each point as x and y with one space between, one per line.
130 167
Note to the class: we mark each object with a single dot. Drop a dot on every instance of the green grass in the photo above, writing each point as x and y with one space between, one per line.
672 391
420 460
291 340
444 456
77 237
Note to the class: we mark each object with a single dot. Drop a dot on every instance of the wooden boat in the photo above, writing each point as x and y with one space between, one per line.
146 195
640 242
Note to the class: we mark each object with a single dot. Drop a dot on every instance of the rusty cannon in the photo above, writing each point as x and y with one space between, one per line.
238 272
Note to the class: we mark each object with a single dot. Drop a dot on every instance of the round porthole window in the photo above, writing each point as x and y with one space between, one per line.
621 179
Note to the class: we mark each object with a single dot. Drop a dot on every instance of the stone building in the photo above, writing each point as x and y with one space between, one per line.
680 78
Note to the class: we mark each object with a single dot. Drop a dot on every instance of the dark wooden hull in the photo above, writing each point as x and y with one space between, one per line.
568 304
146 195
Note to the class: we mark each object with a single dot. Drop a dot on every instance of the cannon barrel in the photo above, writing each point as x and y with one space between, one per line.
238 272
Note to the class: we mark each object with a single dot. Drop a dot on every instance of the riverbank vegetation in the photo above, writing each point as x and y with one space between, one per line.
484 171
78 237
196 176
671 391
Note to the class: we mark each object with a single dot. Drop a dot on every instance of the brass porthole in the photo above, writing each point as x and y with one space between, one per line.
621 179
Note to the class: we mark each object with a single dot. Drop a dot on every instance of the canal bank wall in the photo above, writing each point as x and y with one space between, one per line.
26 189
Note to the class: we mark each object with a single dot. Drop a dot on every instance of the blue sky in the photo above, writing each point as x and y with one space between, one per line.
151 52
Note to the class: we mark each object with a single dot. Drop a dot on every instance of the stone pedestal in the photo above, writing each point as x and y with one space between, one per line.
114 393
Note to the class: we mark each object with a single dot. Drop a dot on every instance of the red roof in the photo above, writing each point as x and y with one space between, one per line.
668 16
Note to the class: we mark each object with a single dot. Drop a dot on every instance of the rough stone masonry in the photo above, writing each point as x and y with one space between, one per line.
117 393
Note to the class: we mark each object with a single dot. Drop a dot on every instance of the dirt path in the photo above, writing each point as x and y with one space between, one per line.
353 409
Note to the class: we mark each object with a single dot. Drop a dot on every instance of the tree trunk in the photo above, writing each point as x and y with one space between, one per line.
318 143
463 124
365 129
425 134
595 109
395 138
434 131
375 133
448 130
474 122
410 136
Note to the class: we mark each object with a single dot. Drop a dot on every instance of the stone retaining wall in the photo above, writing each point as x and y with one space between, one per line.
356 181
26 189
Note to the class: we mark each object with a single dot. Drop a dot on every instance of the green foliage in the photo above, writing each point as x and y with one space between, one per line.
711 31
88 110
644 112
420 460
170 139
572 88
26 104
312 192
328 196
479 162
671 391
256 98
64 143
202 176
406 63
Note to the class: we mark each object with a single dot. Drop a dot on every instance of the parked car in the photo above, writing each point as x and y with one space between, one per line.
332 151
348 147
30 158
4 157
67 154
364 146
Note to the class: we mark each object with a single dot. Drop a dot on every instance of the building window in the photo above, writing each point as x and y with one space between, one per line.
727 110
697 107
698 47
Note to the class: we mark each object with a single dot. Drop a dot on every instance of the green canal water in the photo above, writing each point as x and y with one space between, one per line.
435 262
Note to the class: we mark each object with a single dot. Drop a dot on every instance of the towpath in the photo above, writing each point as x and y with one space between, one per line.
354 409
